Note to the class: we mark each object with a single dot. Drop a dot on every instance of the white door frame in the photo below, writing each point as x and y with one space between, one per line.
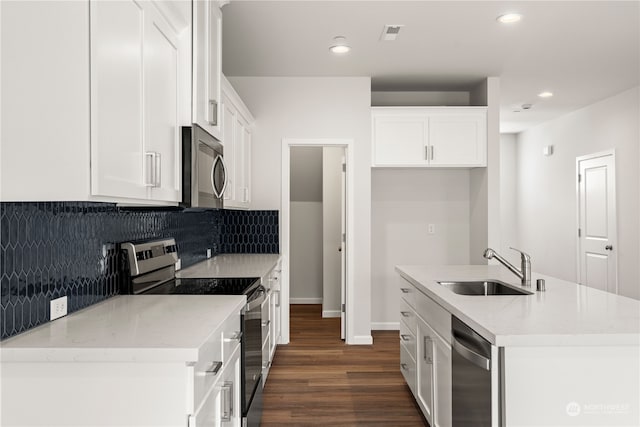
285 220
605 153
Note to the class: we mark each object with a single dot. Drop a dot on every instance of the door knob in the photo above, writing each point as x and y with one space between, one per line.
609 247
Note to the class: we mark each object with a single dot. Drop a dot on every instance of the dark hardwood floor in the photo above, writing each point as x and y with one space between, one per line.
318 380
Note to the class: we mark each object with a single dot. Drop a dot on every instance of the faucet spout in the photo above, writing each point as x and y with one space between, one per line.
524 274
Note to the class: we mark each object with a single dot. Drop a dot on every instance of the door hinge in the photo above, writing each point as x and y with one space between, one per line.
344 237
579 177
342 308
579 232
344 167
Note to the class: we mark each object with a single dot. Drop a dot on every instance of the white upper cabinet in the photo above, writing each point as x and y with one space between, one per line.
429 136
113 80
136 84
207 65
237 134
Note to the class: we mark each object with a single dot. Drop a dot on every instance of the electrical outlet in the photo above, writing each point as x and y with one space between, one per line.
431 229
178 264
58 307
208 253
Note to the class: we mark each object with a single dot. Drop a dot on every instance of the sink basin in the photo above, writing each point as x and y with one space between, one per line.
488 287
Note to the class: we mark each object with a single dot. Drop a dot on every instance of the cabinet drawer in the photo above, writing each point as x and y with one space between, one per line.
231 336
407 315
408 338
214 356
435 316
408 368
408 292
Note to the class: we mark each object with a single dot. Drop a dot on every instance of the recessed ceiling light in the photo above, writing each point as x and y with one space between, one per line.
509 18
545 94
339 45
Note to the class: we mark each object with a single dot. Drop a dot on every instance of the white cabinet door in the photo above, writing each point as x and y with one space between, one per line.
135 102
161 89
425 372
117 149
458 137
237 134
207 66
400 139
229 120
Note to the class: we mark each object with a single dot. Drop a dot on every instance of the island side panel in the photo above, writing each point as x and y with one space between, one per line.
572 386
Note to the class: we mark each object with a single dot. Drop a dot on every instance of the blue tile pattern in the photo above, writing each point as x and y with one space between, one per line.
252 232
52 249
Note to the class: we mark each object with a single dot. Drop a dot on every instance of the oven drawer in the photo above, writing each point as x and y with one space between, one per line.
214 356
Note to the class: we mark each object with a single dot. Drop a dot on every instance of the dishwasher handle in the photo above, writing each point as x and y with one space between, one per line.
473 357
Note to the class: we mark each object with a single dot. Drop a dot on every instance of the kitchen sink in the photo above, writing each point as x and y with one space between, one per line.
487 287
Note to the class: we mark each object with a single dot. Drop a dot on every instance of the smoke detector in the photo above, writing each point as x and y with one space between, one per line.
390 32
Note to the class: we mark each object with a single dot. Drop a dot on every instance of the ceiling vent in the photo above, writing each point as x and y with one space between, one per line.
390 32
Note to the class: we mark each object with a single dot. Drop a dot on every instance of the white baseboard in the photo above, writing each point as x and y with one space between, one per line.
385 326
361 340
305 300
330 313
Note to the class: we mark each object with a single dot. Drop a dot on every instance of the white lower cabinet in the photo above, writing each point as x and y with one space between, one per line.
425 354
271 320
200 389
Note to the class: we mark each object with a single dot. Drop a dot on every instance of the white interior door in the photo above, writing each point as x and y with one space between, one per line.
597 222
343 250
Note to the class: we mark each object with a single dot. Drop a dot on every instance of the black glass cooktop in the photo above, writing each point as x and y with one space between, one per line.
218 286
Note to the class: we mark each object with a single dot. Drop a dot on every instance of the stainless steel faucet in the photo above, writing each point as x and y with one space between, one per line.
524 274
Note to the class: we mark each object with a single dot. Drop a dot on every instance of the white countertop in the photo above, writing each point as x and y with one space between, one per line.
565 314
232 265
127 328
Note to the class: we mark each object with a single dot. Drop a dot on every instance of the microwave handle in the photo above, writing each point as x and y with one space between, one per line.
217 193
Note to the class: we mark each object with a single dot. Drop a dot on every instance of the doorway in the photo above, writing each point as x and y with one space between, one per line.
597 226
332 229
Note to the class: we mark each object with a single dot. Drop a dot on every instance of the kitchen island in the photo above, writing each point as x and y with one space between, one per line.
567 356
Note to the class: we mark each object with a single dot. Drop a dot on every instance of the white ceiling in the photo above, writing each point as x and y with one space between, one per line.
582 51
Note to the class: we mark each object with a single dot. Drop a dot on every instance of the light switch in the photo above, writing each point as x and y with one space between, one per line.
431 229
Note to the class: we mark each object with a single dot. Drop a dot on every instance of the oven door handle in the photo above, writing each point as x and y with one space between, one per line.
257 301
473 357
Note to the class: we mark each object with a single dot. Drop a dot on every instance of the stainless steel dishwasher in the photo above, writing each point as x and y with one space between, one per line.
470 377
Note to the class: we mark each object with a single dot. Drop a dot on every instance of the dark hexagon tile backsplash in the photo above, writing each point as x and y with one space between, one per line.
52 249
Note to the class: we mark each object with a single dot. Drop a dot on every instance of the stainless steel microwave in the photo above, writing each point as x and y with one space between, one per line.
204 174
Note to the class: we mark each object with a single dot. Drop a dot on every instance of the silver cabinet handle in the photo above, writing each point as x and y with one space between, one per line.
235 337
405 314
265 324
426 152
404 366
427 353
213 112
151 158
158 171
405 337
215 368
278 300
266 364
405 290
432 150
227 401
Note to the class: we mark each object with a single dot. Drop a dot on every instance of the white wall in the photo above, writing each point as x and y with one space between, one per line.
310 107
305 277
508 198
546 186
332 193
306 225
404 202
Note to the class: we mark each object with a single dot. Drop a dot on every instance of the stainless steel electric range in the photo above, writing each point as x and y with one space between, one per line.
152 271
